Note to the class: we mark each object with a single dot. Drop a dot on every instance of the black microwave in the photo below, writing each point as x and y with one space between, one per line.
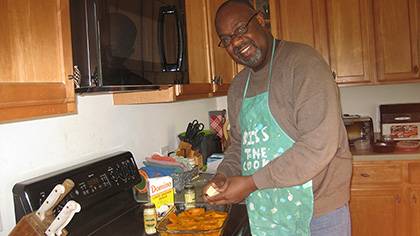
128 44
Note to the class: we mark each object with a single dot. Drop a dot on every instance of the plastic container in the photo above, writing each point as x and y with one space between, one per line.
163 231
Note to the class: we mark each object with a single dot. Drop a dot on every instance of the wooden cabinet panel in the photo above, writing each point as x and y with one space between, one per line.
304 21
414 173
376 212
35 59
223 67
414 210
377 173
198 42
350 40
397 37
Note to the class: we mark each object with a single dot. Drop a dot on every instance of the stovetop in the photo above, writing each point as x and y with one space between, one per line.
104 189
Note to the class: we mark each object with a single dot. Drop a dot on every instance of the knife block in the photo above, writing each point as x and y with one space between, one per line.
31 225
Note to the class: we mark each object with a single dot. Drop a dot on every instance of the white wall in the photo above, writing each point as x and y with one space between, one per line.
32 148
365 100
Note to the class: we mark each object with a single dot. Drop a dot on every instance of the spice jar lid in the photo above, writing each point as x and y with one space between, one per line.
189 186
149 205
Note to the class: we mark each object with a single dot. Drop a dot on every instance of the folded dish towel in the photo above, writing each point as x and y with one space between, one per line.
166 163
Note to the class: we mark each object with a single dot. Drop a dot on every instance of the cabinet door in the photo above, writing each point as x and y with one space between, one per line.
376 212
303 21
397 39
414 210
199 71
351 40
222 66
35 59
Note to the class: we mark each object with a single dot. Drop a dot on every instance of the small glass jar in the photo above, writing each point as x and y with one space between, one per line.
189 196
149 218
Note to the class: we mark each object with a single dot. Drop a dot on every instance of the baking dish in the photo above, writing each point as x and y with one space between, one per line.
164 231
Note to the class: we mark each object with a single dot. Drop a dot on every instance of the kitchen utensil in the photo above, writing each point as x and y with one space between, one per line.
36 223
193 129
63 218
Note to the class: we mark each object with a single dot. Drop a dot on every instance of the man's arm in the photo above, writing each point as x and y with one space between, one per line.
318 118
231 164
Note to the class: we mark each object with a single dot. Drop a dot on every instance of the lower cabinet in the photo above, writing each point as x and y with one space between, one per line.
385 198
376 212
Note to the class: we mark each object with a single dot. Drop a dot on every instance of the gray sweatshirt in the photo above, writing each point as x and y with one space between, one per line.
303 98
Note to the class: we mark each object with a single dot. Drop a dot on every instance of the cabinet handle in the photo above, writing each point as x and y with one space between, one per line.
414 198
217 79
397 199
334 74
416 69
365 175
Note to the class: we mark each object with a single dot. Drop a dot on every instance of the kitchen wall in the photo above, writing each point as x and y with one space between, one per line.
365 100
32 148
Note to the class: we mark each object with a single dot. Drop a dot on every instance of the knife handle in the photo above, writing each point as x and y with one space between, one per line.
63 218
68 186
50 201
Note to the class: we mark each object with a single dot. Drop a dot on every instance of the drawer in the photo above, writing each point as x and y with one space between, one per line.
381 173
414 173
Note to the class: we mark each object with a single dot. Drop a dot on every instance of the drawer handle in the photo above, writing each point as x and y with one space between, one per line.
365 175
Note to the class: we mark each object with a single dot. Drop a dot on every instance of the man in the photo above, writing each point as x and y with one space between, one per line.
289 156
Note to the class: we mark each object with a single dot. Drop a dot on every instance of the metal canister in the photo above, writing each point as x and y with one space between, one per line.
149 218
189 196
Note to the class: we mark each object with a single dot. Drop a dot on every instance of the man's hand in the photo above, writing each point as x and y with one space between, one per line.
218 183
234 190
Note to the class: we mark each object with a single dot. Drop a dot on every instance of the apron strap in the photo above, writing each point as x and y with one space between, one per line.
269 70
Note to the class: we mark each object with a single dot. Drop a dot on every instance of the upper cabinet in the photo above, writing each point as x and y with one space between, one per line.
364 41
397 39
292 26
350 40
35 59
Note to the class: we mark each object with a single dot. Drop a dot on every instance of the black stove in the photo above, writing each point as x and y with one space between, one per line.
103 188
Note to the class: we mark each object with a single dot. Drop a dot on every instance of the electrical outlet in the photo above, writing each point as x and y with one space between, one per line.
164 150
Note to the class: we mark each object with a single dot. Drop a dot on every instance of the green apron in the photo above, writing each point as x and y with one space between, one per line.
278 211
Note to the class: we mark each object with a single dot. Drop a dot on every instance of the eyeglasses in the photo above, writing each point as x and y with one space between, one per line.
225 40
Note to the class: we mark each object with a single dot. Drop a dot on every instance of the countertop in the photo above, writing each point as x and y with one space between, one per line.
369 155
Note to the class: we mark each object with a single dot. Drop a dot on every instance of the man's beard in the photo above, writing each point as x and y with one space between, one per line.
253 60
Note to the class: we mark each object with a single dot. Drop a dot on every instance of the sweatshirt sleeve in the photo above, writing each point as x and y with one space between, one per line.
317 117
231 164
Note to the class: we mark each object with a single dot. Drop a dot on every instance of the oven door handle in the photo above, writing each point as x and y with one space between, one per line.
402 118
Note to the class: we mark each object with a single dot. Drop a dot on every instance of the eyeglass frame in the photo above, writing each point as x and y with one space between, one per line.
235 34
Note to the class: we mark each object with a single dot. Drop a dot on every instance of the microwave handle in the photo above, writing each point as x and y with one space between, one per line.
167 10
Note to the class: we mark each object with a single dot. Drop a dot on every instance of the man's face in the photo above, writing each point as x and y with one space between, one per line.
242 35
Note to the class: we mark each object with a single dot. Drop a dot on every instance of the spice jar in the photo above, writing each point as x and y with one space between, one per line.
150 218
189 196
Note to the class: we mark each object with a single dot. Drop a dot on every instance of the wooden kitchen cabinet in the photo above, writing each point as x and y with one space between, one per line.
302 21
35 59
385 198
350 37
397 39
376 212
